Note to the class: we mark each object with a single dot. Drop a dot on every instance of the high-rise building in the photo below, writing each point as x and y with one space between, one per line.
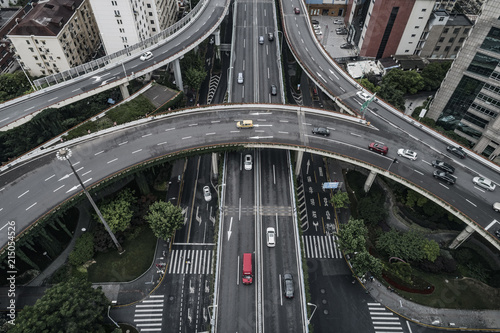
126 22
384 28
55 36
468 100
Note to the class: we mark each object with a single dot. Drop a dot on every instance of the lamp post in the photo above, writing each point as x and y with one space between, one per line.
45 254
64 154
312 314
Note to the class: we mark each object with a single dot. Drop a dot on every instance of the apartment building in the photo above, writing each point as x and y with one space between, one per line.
381 29
7 3
8 18
468 100
444 35
126 22
55 36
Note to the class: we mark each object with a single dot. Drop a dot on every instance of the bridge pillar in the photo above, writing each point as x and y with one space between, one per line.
462 237
298 164
124 90
178 75
215 168
369 181
217 43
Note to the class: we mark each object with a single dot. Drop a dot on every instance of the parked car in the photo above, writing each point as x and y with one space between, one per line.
274 90
318 32
271 237
496 206
288 285
314 21
457 151
484 183
261 40
445 176
248 162
346 46
443 166
316 26
497 233
296 10
270 36
146 56
338 21
341 32
409 154
364 96
379 148
206 193
321 131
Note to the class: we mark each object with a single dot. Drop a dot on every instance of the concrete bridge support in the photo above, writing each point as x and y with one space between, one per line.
462 237
369 180
124 90
215 167
298 164
178 75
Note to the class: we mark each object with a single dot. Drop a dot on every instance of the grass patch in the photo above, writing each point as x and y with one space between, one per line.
113 267
455 293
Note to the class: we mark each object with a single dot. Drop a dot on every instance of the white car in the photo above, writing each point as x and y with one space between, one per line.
271 237
409 154
496 206
484 183
338 21
364 96
248 162
206 193
318 32
146 56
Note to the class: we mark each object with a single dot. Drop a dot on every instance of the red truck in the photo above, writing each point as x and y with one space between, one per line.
247 268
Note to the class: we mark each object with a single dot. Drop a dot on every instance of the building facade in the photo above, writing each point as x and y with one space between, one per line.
468 100
444 35
327 7
382 28
126 22
55 36
8 19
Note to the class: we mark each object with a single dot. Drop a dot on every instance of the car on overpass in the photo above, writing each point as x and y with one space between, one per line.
244 124
445 176
443 166
379 148
288 285
296 10
496 206
457 151
321 131
407 153
484 183
361 94
146 56
271 237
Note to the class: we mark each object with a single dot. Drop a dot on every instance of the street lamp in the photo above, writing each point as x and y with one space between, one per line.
45 254
64 154
312 314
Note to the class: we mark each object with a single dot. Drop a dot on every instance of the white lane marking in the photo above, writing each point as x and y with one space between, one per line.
213 133
169 129
50 177
60 187
146 135
187 137
31 206
282 132
192 125
161 143
23 194
52 99
283 121
421 173
113 160
75 90
83 174
124 142
473 204
136 151
99 152
358 135
215 121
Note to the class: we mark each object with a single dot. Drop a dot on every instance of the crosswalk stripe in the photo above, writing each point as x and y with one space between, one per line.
321 247
384 321
184 261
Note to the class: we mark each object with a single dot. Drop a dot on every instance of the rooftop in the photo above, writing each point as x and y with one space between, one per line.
46 18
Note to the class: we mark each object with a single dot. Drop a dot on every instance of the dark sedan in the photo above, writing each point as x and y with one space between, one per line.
321 131
443 166
457 151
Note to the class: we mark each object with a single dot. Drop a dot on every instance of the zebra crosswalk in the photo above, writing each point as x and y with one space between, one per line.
148 314
191 262
383 320
321 247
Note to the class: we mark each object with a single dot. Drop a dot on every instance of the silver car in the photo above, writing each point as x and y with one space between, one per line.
484 183
206 193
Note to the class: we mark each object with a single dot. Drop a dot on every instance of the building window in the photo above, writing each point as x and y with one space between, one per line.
406 51
441 40
424 9
122 30
32 49
28 42
492 41
461 40
437 48
153 29
446 49
451 40
488 100
43 42
421 18
413 35
119 21
484 110
466 31
478 121
35 57
483 64
417 27
152 22
150 13
445 30
456 48
117 13
149 5
495 89
456 30
113 3
441 19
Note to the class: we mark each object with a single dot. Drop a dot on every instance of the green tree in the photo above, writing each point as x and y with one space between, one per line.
340 199
434 73
365 82
413 198
392 95
164 219
13 85
72 307
408 246
409 82
352 236
118 212
194 77
364 262
371 210
83 250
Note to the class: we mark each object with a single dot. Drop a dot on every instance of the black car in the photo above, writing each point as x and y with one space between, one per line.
270 36
458 151
314 22
288 285
445 176
346 46
321 131
342 32
274 90
443 166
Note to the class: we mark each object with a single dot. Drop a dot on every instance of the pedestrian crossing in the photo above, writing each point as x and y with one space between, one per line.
191 262
148 314
321 247
383 320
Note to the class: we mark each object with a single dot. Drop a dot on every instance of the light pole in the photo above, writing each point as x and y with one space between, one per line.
64 154
124 71
45 254
312 314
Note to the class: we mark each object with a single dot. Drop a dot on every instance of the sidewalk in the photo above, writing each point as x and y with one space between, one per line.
424 315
